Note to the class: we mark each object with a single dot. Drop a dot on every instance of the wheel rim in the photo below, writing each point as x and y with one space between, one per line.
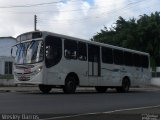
126 86
71 85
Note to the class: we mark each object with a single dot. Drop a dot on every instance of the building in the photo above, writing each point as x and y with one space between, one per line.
6 61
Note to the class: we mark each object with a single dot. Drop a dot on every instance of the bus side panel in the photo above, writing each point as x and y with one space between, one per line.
147 76
130 73
81 69
106 71
143 77
112 75
57 74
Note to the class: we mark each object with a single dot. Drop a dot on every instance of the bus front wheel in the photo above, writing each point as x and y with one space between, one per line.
70 85
45 88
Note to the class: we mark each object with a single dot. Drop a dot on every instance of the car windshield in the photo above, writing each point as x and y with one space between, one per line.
29 52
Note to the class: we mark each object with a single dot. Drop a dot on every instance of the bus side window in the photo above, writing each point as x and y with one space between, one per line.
118 57
70 49
128 60
145 62
107 55
82 51
137 60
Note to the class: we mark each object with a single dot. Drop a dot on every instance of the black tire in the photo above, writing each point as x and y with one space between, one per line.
125 86
70 85
101 89
45 88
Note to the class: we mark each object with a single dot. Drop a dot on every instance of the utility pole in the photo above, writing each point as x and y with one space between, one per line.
35 22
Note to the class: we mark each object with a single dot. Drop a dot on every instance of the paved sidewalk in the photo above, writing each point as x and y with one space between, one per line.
79 89
19 88
36 89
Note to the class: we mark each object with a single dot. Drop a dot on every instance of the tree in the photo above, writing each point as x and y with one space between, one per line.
142 34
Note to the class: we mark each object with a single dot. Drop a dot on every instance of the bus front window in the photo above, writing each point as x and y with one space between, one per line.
29 52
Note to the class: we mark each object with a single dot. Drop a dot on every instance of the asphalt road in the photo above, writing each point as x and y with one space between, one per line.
59 104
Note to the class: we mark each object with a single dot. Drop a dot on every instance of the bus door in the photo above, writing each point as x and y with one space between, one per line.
93 64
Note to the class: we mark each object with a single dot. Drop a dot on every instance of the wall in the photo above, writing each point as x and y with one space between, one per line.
5 51
4 59
5 45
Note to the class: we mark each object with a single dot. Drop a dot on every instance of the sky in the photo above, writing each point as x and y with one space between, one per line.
77 18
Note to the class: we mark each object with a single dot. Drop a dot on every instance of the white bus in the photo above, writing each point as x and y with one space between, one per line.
57 61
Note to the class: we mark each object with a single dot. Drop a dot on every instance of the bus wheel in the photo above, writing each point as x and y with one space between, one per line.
125 86
70 85
101 89
45 88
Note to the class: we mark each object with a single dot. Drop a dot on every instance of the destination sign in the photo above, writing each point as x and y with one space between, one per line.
29 36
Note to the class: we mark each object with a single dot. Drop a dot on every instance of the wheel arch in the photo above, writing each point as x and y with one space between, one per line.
74 75
127 78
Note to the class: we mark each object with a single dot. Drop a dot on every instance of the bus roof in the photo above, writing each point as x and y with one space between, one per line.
87 41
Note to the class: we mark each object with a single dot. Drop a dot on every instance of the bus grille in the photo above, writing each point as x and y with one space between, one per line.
22 77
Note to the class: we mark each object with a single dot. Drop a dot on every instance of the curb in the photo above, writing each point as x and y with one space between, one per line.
7 82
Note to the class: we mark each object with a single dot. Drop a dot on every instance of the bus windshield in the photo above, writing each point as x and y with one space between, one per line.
29 52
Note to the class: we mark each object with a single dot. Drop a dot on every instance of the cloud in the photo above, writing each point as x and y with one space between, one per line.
78 18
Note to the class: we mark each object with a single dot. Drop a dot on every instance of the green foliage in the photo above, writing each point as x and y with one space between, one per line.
142 34
6 76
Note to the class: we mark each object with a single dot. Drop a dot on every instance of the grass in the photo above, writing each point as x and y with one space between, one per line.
8 77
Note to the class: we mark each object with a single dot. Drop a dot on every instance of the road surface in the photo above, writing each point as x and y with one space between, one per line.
60 104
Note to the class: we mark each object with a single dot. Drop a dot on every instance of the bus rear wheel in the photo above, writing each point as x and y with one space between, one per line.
125 86
101 89
70 85
45 88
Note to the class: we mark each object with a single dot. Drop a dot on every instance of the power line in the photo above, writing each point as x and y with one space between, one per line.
40 12
113 12
43 12
43 24
33 5
101 14
72 10
125 7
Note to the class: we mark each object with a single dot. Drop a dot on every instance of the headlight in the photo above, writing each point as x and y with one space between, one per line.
39 69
